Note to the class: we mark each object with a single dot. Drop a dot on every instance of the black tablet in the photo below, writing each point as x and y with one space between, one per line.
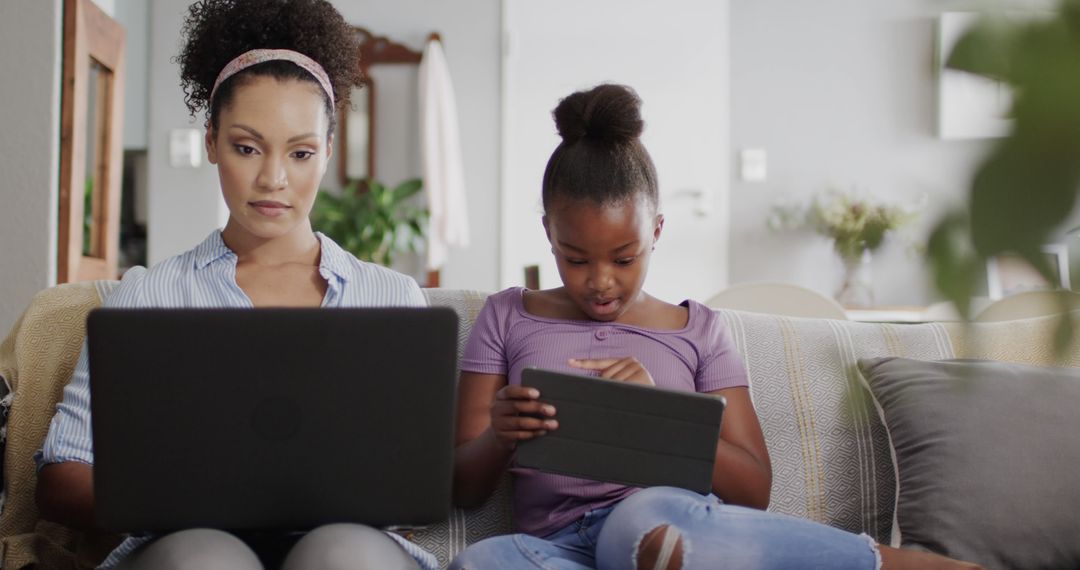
625 433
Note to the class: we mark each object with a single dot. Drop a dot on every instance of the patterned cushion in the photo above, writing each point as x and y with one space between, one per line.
830 451
464 527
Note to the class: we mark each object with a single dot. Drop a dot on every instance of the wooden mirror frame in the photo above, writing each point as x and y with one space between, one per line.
374 50
89 33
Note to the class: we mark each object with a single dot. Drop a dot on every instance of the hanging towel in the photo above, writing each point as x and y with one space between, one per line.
443 171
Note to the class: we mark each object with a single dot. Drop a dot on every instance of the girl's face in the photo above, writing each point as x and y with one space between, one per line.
271 151
602 251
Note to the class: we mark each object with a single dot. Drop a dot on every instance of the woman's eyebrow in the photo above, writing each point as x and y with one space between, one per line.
250 130
259 135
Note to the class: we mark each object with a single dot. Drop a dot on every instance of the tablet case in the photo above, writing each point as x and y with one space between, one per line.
625 433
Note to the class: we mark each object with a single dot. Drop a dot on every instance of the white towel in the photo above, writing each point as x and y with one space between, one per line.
443 171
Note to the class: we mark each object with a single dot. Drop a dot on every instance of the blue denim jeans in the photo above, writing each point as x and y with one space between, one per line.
713 535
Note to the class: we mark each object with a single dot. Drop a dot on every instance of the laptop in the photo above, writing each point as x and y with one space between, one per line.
625 433
271 419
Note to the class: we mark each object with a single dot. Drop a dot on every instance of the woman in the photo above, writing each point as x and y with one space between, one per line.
269 74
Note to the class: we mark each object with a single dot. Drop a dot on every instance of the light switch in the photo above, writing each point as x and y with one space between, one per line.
752 165
185 148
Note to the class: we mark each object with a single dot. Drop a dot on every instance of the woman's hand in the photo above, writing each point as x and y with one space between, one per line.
518 415
626 369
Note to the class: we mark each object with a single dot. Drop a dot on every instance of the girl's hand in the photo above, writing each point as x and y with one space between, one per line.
517 415
627 369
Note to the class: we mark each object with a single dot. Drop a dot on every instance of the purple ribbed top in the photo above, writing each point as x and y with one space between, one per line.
506 339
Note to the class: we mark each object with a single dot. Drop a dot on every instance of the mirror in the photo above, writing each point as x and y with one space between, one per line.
88 231
356 134
357 137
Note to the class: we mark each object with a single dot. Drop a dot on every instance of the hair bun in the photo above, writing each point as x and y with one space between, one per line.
606 113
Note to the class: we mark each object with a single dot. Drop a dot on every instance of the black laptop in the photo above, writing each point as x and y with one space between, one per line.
625 433
271 418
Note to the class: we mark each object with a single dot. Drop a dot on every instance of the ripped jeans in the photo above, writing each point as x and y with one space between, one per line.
712 535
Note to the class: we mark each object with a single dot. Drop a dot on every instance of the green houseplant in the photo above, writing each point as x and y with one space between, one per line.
371 220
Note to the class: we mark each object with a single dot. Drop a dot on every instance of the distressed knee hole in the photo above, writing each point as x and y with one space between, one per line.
660 549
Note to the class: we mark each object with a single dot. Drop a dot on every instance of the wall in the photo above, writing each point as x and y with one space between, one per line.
184 204
134 15
838 92
30 54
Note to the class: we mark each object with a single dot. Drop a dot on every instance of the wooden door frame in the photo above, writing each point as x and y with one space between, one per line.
90 33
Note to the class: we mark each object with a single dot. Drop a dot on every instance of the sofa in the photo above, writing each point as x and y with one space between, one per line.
830 449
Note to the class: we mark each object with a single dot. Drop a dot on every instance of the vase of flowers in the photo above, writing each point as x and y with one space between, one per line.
857 227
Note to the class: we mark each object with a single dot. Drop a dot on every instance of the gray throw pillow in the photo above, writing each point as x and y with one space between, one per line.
988 455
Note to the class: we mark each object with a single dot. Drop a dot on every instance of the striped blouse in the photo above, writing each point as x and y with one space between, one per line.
205 277
700 357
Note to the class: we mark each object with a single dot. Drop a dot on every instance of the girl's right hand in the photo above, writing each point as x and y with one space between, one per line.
518 415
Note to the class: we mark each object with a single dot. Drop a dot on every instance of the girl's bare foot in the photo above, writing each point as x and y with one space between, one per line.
897 559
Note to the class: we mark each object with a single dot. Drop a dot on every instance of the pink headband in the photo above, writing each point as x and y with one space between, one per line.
257 56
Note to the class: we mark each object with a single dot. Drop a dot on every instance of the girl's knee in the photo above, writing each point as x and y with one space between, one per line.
661 548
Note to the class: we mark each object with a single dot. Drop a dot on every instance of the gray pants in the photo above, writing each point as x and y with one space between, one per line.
329 547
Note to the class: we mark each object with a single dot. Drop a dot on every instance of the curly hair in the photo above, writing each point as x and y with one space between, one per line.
601 157
216 31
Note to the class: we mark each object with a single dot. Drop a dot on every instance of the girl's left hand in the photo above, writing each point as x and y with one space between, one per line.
627 369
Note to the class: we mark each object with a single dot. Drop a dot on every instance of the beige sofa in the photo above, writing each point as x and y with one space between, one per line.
830 452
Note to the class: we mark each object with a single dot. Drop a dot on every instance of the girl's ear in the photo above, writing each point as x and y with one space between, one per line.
659 227
547 232
329 149
211 147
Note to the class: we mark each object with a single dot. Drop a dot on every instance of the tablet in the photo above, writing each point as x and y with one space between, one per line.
624 433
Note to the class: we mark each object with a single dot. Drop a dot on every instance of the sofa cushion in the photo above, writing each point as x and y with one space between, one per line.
464 527
986 453
829 449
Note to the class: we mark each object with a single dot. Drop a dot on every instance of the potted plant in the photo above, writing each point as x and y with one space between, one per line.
371 220
857 226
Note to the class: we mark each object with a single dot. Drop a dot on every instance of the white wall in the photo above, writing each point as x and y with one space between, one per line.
838 92
675 55
134 15
184 204
30 55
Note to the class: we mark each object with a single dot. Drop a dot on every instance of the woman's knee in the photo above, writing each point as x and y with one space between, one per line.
194 549
347 546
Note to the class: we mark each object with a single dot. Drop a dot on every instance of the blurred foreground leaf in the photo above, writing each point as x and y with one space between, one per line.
1026 188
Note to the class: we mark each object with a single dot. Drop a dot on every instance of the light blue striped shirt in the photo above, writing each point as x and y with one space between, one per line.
205 277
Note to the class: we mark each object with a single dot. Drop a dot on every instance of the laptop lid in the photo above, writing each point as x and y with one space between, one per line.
625 433
271 418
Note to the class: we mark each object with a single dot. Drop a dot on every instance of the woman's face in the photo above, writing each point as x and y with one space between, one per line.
602 251
271 150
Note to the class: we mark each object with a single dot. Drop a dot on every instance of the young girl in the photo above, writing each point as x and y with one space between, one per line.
601 217
269 74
